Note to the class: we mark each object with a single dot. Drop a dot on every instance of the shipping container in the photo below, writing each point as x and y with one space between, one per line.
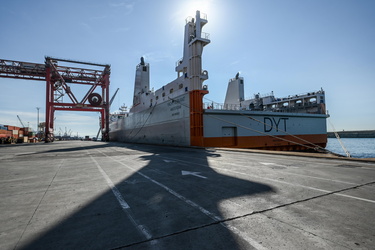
5 133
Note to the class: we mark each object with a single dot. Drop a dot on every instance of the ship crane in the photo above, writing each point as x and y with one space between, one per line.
21 121
110 103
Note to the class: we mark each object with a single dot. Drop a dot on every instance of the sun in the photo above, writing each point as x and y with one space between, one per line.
188 8
204 6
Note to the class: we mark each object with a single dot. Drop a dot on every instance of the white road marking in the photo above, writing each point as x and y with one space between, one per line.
25 153
115 191
216 218
168 161
284 182
353 197
124 205
271 164
308 176
196 174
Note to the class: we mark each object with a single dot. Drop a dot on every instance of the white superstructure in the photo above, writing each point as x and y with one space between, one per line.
176 115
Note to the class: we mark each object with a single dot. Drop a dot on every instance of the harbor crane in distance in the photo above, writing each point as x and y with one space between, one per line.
59 82
21 121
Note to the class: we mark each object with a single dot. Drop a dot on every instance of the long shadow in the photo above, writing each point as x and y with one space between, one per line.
168 210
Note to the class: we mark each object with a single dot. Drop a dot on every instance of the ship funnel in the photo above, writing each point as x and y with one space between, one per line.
142 81
235 91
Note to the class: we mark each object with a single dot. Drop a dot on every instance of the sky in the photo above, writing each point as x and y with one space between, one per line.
288 47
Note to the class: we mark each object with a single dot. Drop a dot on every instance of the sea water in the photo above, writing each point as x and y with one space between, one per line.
357 147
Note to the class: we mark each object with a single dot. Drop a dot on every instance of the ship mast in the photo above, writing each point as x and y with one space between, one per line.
190 66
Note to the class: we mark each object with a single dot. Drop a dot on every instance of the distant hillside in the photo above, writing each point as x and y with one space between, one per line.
353 134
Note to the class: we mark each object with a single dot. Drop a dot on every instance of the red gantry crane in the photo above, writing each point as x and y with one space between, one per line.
59 82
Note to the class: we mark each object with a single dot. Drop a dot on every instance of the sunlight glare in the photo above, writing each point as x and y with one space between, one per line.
188 8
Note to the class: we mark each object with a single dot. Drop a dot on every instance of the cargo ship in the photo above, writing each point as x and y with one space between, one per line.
176 114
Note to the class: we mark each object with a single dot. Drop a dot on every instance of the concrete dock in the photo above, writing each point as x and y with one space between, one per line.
96 195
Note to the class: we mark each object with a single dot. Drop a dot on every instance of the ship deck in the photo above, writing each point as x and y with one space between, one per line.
96 195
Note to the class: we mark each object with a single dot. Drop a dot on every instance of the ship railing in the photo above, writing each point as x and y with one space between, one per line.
179 61
306 108
222 106
260 95
191 19
205 35
203 16
302 95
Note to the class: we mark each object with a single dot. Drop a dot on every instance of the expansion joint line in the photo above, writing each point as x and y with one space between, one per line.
142 230
224 221
217 220
308 232
40 201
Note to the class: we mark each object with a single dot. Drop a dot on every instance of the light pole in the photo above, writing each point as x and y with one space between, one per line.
37 125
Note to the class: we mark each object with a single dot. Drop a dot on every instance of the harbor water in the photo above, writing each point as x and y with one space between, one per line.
357 147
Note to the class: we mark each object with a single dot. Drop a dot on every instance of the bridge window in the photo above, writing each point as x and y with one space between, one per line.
312 100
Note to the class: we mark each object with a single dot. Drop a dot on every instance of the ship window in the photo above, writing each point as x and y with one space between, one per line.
144 68
157 97
163 94
170 91
180 86
186 89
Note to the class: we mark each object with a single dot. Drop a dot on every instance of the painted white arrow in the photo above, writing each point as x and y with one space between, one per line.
193 173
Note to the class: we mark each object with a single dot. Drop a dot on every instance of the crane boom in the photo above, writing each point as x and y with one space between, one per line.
113 97
20 121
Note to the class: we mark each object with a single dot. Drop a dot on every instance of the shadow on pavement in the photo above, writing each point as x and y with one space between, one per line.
168 210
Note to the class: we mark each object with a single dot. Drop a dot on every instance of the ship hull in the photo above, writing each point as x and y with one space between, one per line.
166 123
172 123
265 130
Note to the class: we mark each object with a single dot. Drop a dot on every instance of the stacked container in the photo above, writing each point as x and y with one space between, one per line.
4 133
